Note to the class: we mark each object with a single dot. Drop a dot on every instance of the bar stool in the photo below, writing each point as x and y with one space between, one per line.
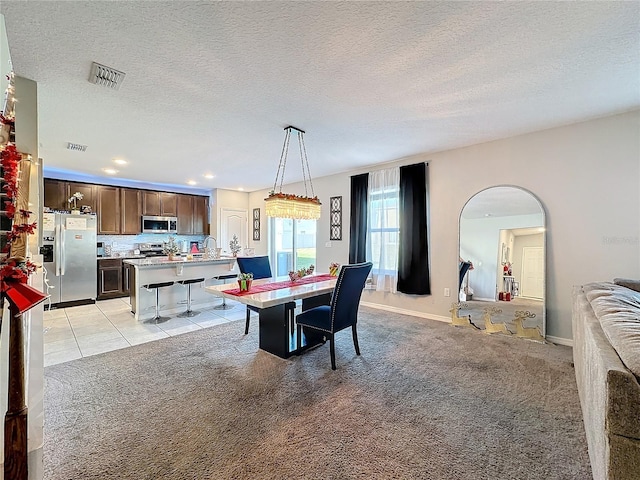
157 286
188 312
224 278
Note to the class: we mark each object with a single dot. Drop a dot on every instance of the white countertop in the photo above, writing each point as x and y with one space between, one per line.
164 261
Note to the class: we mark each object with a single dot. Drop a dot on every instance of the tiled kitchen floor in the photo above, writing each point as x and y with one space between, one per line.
76 332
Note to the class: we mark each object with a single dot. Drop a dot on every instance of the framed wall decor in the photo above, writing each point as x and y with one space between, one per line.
256 224
335 215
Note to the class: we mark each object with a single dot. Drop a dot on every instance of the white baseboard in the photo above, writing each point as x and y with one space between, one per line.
568 342
558 340
403 311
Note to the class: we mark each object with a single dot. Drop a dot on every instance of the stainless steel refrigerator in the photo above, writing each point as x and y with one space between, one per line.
70 258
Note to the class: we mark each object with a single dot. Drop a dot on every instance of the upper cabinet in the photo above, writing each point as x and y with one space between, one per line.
192 215
108 210
201 215
168 204
185 214
55 194
58 192
159 203
89 194
119 209
130 208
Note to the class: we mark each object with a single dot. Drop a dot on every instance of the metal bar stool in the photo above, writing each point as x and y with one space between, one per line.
188 312
224 278
157 286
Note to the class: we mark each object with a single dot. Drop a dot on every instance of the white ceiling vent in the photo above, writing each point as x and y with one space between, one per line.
106 76
76 147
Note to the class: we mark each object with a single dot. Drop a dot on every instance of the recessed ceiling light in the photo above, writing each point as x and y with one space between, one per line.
110 171
208 175
191 182
120 161
241 189
487 214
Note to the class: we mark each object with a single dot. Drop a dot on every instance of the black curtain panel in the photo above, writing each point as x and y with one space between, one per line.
359 214
413 257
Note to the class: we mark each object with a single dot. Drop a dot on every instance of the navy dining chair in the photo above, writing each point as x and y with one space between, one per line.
261 268
343 310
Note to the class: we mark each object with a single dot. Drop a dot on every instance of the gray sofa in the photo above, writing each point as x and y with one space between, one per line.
606 353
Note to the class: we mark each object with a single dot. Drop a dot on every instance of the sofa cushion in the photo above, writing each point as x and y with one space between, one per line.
629 283
618 310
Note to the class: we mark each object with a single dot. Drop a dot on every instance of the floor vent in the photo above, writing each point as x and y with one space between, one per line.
76 147
106 76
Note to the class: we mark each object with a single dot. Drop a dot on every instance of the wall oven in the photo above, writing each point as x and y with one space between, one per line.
159 224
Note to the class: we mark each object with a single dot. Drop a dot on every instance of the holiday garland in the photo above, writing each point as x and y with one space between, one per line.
16 269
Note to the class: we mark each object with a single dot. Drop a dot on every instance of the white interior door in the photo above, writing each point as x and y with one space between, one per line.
233 222
532 283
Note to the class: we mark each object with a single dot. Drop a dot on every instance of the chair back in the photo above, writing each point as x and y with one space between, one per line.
347 293
259 266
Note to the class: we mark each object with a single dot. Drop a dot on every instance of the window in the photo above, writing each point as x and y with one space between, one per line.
293 244
384 227
382 202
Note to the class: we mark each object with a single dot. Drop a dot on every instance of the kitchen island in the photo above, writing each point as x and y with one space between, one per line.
161 269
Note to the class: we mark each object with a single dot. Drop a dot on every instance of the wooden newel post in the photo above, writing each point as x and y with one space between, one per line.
15 421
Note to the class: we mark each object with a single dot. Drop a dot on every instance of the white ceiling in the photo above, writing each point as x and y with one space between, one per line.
210 86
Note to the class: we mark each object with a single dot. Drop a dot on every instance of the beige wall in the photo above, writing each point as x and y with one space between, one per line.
586 175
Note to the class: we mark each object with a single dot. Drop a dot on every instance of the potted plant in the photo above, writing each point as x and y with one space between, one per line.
170 248
244 281
302 272
234 246
74 199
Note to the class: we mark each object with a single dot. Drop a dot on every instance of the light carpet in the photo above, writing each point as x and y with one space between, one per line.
425 400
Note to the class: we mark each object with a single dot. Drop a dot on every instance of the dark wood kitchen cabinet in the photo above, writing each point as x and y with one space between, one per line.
119 209
108 210
150 202
89 195
192 214
163 204
58 192
109 278
201 215
114 278
130 223
55 194
169 204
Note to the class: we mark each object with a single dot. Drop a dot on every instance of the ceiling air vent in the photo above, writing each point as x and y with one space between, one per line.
76 147
106 76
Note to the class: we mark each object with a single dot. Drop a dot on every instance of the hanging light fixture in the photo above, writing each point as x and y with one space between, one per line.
285 205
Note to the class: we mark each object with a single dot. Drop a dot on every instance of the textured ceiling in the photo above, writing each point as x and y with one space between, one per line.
210 86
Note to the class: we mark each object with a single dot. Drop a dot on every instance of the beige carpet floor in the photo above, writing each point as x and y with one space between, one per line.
425 400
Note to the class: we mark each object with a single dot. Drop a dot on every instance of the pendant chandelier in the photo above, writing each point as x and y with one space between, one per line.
285 205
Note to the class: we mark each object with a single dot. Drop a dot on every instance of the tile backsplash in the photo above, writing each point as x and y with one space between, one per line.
125 244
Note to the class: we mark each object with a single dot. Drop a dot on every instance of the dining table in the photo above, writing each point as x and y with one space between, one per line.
276 300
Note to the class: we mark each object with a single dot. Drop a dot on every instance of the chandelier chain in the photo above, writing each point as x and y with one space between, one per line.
304 174
305 160
283 160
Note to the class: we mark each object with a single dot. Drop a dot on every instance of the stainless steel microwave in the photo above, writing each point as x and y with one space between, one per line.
159 224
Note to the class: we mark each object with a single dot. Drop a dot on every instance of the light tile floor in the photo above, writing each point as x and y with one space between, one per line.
76 332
